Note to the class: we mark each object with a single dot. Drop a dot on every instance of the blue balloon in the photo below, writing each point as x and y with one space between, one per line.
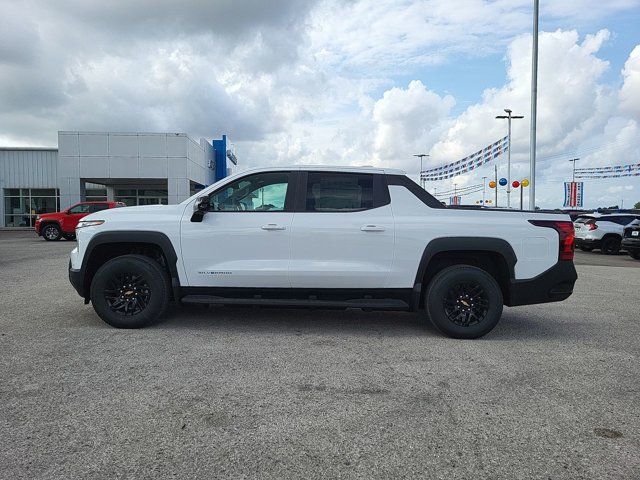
503 181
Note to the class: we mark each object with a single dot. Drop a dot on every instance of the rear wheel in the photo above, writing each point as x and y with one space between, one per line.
464 302
610 246
51 232
131 291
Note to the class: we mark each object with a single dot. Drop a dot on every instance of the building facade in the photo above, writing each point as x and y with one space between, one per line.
135 168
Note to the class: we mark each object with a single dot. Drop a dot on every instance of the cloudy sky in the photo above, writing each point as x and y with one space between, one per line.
335 81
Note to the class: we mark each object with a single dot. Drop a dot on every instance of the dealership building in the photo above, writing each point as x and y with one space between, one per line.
134 168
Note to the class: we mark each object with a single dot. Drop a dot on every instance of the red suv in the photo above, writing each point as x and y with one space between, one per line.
53 226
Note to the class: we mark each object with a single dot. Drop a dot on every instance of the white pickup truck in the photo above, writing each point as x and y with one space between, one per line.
322 237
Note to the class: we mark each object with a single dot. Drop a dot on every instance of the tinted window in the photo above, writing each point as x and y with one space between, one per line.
339 192
262 192
82 208
96 207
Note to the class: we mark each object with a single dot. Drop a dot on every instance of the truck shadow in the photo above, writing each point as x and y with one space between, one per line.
516 324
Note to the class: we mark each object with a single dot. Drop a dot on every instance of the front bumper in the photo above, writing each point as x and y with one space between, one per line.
553 285
76 279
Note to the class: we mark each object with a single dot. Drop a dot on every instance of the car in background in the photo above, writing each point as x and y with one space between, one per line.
604 232
54 226
631 239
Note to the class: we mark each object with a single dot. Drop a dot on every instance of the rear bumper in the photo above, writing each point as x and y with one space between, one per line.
587 242
631 244
553 285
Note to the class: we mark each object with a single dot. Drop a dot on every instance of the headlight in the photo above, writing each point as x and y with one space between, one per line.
89 223
37 217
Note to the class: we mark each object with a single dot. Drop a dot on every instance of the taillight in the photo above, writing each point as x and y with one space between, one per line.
592 226
566 236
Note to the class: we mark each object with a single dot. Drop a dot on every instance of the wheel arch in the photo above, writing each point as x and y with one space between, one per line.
107 245
494 255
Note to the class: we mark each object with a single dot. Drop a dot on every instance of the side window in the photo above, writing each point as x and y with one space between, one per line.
262 192
96 207
81 208
339 192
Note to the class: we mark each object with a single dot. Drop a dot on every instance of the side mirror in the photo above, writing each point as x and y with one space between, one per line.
200 208
202 204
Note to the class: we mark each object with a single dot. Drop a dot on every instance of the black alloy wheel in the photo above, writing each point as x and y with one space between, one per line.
131 291
463 301
466 303
127 293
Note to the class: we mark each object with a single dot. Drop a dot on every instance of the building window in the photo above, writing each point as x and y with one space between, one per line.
22 205
141 196
95 194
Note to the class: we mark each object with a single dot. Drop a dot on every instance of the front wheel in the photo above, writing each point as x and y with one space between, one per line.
51 232
464 302
131 291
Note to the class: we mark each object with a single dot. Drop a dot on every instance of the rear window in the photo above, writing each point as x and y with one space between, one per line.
339 192
583 219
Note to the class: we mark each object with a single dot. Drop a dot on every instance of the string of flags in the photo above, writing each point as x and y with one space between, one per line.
631 166
613 171
468 163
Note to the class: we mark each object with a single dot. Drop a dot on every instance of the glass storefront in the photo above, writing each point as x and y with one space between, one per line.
21 205
95 194
141 196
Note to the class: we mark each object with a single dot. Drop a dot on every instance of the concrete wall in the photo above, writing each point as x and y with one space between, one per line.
26 168
106 157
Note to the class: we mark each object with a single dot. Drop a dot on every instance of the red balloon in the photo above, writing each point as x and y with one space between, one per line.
515 184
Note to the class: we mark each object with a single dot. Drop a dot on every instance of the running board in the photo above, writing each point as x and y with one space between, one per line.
368 303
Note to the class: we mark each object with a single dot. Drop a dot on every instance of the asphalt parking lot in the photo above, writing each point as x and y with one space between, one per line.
552 392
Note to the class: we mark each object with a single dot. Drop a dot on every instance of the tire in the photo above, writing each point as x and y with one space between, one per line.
51 232
450 298
610 246
586 249
635 255
130 308
69 236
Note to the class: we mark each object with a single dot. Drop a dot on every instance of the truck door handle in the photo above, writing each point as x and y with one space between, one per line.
273 226
372 228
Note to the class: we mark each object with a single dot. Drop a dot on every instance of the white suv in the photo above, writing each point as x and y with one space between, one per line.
602 231
322 237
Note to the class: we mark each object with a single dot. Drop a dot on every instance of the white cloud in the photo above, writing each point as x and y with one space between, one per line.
630 91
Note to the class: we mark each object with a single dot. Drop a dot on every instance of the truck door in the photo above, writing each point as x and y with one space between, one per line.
244 238
342 232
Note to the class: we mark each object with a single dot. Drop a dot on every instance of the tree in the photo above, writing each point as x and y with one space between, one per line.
637 205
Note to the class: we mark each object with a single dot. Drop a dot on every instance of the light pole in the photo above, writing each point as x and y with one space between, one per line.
421 155
484 183
573 176
509 117
534 104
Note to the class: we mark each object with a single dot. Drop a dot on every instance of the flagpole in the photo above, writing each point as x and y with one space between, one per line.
534 103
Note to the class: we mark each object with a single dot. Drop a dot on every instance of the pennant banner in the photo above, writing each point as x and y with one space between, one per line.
612 175
468 163
612 168
573 194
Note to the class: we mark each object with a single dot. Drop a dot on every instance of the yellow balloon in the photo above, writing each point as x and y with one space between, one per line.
525 183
